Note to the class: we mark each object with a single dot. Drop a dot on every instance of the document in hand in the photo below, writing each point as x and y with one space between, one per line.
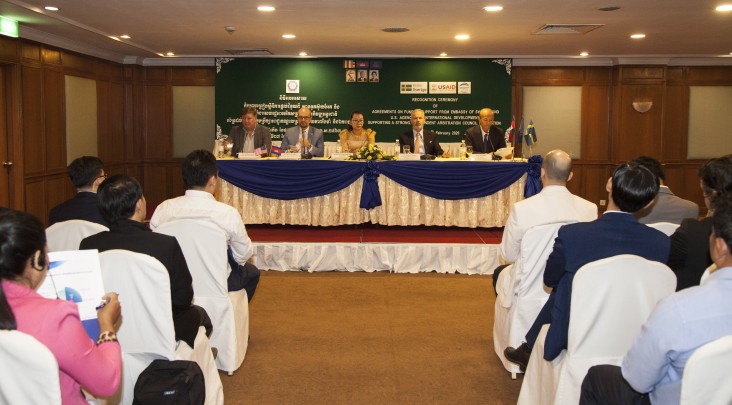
76 276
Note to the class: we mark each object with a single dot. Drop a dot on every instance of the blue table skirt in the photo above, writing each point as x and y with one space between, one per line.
294 179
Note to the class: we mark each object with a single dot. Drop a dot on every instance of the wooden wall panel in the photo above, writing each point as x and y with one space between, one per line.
30 51
104 149
78 65
193 77
157 120
54 119
156 74
35 199
115 133
675 124
155 184
58 190
51 56
639 133
9 48
34 151
596 122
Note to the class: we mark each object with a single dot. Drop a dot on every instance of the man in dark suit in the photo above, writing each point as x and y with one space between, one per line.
86 173
249 136
485 137
122 204
631 187
311 143
418 139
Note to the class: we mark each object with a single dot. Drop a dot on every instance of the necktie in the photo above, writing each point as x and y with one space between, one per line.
418 143
302 141
485 143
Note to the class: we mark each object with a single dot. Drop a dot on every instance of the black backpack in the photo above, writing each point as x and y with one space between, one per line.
170 382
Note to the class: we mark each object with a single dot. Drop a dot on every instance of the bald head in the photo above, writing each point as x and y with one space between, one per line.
557 166
485 118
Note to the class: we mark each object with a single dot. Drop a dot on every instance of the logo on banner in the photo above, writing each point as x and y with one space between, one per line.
413 88
464 87
292 86
443 88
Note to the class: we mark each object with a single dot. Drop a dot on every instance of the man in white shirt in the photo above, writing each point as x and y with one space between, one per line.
200 175
653 368
554 204
303 138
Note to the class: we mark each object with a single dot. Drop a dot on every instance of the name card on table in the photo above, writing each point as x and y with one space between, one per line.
247 156
409 156
340 156
481 157
291 156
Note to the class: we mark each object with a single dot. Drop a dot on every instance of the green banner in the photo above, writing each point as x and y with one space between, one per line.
451 91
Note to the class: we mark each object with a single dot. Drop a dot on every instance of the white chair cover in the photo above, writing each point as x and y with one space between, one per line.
666 227
521 291
204 246
67 235
28 370
146 332
707 374
611 299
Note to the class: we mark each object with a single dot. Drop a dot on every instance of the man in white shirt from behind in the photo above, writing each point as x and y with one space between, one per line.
554 204
200 175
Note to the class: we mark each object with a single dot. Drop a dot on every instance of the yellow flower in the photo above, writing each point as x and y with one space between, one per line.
368 157
371 147
379 156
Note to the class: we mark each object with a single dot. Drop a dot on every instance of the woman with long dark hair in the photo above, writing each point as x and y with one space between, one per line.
55 323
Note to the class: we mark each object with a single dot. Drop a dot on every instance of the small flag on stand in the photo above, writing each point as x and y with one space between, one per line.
530 133
520 134
510 131
259 151
276 151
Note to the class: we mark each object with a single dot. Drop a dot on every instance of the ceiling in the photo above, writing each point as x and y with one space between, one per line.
194 30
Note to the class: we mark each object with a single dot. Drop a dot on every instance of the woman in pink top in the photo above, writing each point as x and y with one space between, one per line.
55 323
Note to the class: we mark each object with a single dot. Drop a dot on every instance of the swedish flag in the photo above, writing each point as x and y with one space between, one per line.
531 133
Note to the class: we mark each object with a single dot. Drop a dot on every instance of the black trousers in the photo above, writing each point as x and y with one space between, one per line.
244 276
605 385
187 321
496 272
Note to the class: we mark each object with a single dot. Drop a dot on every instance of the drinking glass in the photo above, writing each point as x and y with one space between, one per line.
469 151
406 149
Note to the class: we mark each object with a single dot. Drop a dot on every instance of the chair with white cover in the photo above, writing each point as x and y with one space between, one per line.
67 235
204 245
146 332
521 291
29 372
611 299
706 374
666 227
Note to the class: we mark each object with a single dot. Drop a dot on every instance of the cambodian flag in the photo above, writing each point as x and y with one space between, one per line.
276 150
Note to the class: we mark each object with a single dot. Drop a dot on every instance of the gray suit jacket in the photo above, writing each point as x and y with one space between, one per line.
668 208
315 136
262 136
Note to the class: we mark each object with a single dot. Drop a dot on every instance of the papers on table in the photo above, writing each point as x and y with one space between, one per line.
340 156
76 276
503 152
409 156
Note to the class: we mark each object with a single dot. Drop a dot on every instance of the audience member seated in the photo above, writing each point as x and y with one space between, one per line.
631 187
86 173
419 140
122 205
356 136
554 204
689 255
666 207
201 175
55 323
485 137
652 369
302 138
249 136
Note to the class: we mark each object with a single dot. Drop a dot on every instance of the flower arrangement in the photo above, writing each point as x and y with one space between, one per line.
370 152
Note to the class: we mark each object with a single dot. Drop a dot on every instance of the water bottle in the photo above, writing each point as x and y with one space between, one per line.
463 150
396 148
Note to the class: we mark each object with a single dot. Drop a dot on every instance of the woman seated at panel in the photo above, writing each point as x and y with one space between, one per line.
356 136
689 255
55 323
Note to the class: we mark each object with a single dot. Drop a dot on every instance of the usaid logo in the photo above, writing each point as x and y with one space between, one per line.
443 88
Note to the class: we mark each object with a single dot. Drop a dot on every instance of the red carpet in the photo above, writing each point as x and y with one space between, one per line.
369 233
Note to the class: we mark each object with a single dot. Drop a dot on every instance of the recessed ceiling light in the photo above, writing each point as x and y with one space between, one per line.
303 54
51 8
462 37
493 8
266 8
638 36
288 36
443 54
170 54
584 54
125 36
724 7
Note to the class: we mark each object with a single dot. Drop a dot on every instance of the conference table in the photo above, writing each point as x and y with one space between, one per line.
322 192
